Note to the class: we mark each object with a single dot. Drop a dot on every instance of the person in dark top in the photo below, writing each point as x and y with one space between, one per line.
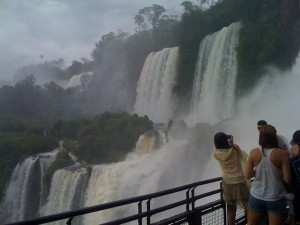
294 151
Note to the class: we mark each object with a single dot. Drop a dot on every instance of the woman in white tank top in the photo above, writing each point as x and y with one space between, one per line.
269 166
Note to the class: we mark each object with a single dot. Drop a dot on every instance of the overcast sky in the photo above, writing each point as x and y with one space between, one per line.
65 29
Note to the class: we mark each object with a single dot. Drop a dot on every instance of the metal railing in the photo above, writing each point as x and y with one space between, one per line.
190 208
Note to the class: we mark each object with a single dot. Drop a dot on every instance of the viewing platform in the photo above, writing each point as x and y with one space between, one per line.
193 204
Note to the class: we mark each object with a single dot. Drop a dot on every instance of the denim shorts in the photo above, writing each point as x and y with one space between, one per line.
276 207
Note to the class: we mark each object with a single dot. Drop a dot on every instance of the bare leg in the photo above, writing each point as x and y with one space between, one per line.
276 219
254 217
231 211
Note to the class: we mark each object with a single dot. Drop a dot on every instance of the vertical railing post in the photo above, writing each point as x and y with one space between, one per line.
193 195
223 204
69 222
195 218
187 194
140 210
148 209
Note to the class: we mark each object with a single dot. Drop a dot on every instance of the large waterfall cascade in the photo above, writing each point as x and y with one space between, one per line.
154 92
213 94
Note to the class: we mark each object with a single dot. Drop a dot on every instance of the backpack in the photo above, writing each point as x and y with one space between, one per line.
295 173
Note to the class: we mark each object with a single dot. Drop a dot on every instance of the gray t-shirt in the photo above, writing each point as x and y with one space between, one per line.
283 143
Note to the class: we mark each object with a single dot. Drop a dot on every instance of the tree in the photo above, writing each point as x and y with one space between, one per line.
188 6
139 21
153 13
75 68
109 43
29 98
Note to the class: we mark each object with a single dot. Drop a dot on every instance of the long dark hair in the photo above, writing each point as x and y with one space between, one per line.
268 137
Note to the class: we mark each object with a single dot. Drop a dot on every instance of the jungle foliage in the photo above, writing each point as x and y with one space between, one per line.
107 137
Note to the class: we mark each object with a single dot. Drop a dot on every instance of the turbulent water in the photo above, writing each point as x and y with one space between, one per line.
163 160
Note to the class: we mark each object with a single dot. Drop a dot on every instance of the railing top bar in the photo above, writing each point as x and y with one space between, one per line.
90 209
164 208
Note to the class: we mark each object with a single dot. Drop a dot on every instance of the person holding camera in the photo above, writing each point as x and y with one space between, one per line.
232 161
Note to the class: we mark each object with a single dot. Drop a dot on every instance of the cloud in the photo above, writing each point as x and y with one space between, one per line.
65 29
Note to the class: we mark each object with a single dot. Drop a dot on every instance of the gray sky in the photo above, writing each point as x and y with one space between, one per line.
65 29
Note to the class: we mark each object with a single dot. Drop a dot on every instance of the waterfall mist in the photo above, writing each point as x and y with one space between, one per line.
273 99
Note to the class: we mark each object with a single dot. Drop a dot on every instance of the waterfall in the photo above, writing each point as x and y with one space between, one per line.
67 191
25 188
154 92
150 140
76 80
213 94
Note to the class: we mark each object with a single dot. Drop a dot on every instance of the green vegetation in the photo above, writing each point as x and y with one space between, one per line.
108 137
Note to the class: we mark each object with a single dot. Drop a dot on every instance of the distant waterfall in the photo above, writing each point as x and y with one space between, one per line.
77 80
149 141
157 79
214 84
25 189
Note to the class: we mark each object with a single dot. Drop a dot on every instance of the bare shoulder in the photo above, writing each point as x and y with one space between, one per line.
279 155
255 152
255 155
